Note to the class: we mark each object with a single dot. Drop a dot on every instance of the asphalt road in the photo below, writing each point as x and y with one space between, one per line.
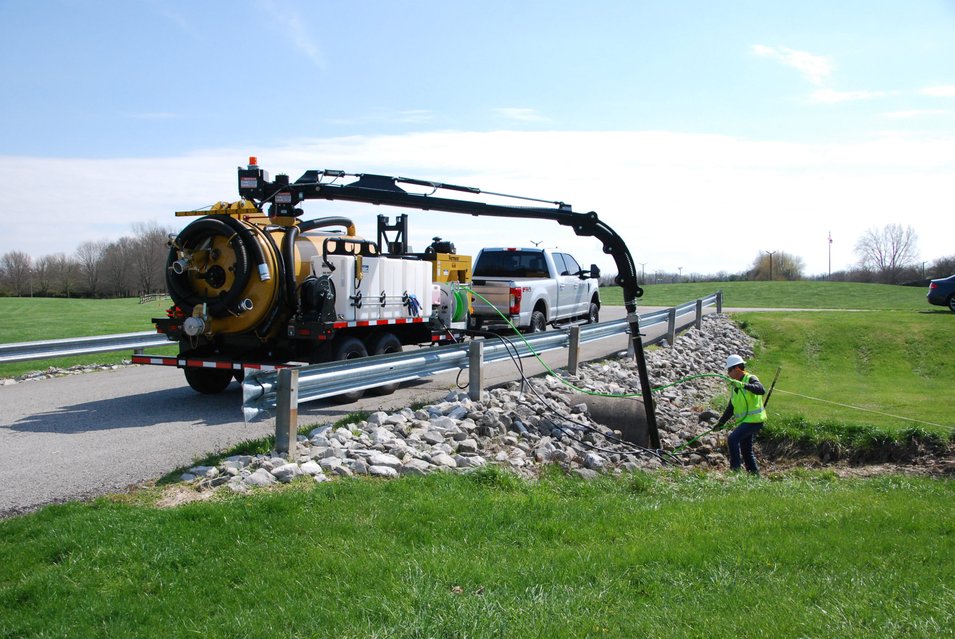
87 435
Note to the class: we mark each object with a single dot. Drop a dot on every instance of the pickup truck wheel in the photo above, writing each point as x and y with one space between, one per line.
381 345
538 323
349 348
593 315
208 381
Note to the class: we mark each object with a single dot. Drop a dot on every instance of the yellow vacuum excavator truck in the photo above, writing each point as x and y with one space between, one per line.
257 290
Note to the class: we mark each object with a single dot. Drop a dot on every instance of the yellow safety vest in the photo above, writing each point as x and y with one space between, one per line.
747 406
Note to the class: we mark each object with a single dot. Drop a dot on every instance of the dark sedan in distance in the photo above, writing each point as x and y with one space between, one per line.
942 292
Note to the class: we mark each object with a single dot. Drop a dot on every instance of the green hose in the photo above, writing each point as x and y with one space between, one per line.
584 390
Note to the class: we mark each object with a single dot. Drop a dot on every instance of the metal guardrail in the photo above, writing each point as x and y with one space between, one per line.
49 349
260 390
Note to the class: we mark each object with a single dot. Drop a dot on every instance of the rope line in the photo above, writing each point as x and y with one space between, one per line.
867 410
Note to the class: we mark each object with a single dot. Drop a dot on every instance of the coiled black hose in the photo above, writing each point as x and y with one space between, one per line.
189 239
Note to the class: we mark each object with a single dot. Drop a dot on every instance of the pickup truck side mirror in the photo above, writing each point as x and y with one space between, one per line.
594 272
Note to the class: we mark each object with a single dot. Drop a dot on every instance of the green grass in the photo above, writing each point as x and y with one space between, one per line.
487 555
29 319
835 295
891 364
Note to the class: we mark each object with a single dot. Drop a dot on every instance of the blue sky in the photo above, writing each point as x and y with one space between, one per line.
702 132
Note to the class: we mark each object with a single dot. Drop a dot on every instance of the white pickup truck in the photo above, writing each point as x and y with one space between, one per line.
533 288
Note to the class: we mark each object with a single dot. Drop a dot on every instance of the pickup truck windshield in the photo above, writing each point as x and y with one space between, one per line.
511 264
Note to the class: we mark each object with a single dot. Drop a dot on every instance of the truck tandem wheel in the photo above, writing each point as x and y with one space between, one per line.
349 348
208 381
381 345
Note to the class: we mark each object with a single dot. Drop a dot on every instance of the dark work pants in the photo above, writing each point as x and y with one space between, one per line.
741 442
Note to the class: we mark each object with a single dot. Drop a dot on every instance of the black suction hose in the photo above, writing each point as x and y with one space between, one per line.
288 255
190 237
321 222
243 231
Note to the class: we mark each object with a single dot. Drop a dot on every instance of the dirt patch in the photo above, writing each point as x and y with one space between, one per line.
913 458
179 494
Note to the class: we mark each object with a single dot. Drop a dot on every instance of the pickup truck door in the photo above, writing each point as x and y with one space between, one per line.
568 286
581 297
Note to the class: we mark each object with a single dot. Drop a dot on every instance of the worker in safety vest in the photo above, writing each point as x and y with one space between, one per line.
746 410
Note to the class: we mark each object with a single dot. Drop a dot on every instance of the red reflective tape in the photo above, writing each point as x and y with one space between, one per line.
339 324
160 360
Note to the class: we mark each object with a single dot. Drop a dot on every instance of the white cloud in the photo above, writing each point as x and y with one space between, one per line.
940 91
831 96
677 199
293 27
410 116
915 113
815 68
520 114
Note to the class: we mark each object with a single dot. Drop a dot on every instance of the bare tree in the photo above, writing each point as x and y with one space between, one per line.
44 272
119 259
888 251
943 267
66 271
17 269
89 256
776 266
150 256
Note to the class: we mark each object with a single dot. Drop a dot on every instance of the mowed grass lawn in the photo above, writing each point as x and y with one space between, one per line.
30 319
488 555
837 295
891 369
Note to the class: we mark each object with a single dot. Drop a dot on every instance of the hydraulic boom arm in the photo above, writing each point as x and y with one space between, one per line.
283 196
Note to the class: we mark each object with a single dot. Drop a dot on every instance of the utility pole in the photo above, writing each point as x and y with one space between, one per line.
643 271
830 255
771 253
680 268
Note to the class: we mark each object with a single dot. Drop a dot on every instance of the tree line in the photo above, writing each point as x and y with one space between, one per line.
130 266
887 255
135 265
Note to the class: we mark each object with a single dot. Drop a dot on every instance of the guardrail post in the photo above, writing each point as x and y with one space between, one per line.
476 369
719 301
286 411
671 326
573 350
699 313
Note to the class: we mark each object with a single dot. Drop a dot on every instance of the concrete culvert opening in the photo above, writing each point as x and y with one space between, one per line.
625 414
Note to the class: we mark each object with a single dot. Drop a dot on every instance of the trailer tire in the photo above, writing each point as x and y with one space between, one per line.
382 345
208 381
349 348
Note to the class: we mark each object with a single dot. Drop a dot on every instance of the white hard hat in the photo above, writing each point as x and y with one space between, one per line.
733 360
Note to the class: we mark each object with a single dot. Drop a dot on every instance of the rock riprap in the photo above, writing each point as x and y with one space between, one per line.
519 426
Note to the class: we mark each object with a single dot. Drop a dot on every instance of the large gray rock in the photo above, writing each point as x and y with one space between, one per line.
384 459
260 477
286 472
